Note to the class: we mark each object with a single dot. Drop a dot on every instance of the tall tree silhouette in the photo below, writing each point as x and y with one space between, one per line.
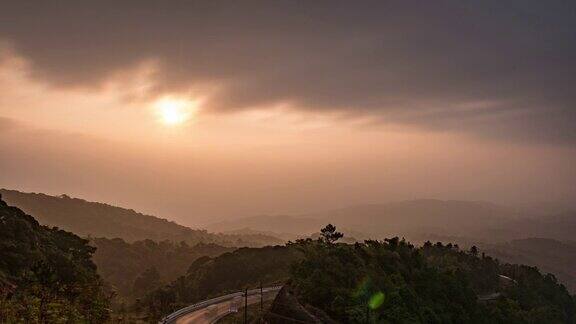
330 235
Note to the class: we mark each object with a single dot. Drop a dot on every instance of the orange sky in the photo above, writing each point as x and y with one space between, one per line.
98 145
201 111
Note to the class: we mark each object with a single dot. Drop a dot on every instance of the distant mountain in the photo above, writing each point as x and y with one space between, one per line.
420 216
560 226
94 219
419 220
285 225
248 231
407 218
547 208
46 274
558 258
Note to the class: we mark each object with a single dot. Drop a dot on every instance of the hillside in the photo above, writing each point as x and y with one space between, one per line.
133 269
92 219
210 277
392 281
389 281
46 274
558 258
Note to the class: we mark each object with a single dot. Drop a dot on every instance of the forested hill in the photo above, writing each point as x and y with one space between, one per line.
133 269
230 272
94 219
46 274
548 255
390 281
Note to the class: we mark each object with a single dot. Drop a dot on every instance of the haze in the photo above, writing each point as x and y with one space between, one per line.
206 111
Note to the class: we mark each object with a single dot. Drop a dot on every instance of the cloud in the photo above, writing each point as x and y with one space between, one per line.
491 68
7 124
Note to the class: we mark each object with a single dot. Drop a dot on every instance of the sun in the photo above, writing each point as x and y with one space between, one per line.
174 111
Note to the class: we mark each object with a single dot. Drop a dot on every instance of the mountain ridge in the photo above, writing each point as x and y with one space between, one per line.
417 219
383 219
96 219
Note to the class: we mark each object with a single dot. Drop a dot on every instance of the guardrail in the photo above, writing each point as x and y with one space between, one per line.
171 318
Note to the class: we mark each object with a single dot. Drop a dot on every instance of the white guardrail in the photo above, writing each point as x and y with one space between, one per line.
194 307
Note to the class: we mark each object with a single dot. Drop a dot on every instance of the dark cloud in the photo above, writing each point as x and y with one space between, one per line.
494 68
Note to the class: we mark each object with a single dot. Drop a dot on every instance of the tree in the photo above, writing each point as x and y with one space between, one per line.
46 274
147 281
401 283
330 235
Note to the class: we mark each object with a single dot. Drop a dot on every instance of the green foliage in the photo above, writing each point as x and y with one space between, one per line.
548 255
394 282
230 272
46 274
147 281
124 265
389 281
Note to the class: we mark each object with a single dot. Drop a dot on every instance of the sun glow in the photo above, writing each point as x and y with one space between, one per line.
175 111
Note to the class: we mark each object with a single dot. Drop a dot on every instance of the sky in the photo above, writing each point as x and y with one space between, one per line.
199 111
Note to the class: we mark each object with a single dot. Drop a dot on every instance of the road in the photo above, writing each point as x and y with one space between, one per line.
211 310
216 311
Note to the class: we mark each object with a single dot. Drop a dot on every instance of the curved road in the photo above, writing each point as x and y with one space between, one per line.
210 311
215 312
